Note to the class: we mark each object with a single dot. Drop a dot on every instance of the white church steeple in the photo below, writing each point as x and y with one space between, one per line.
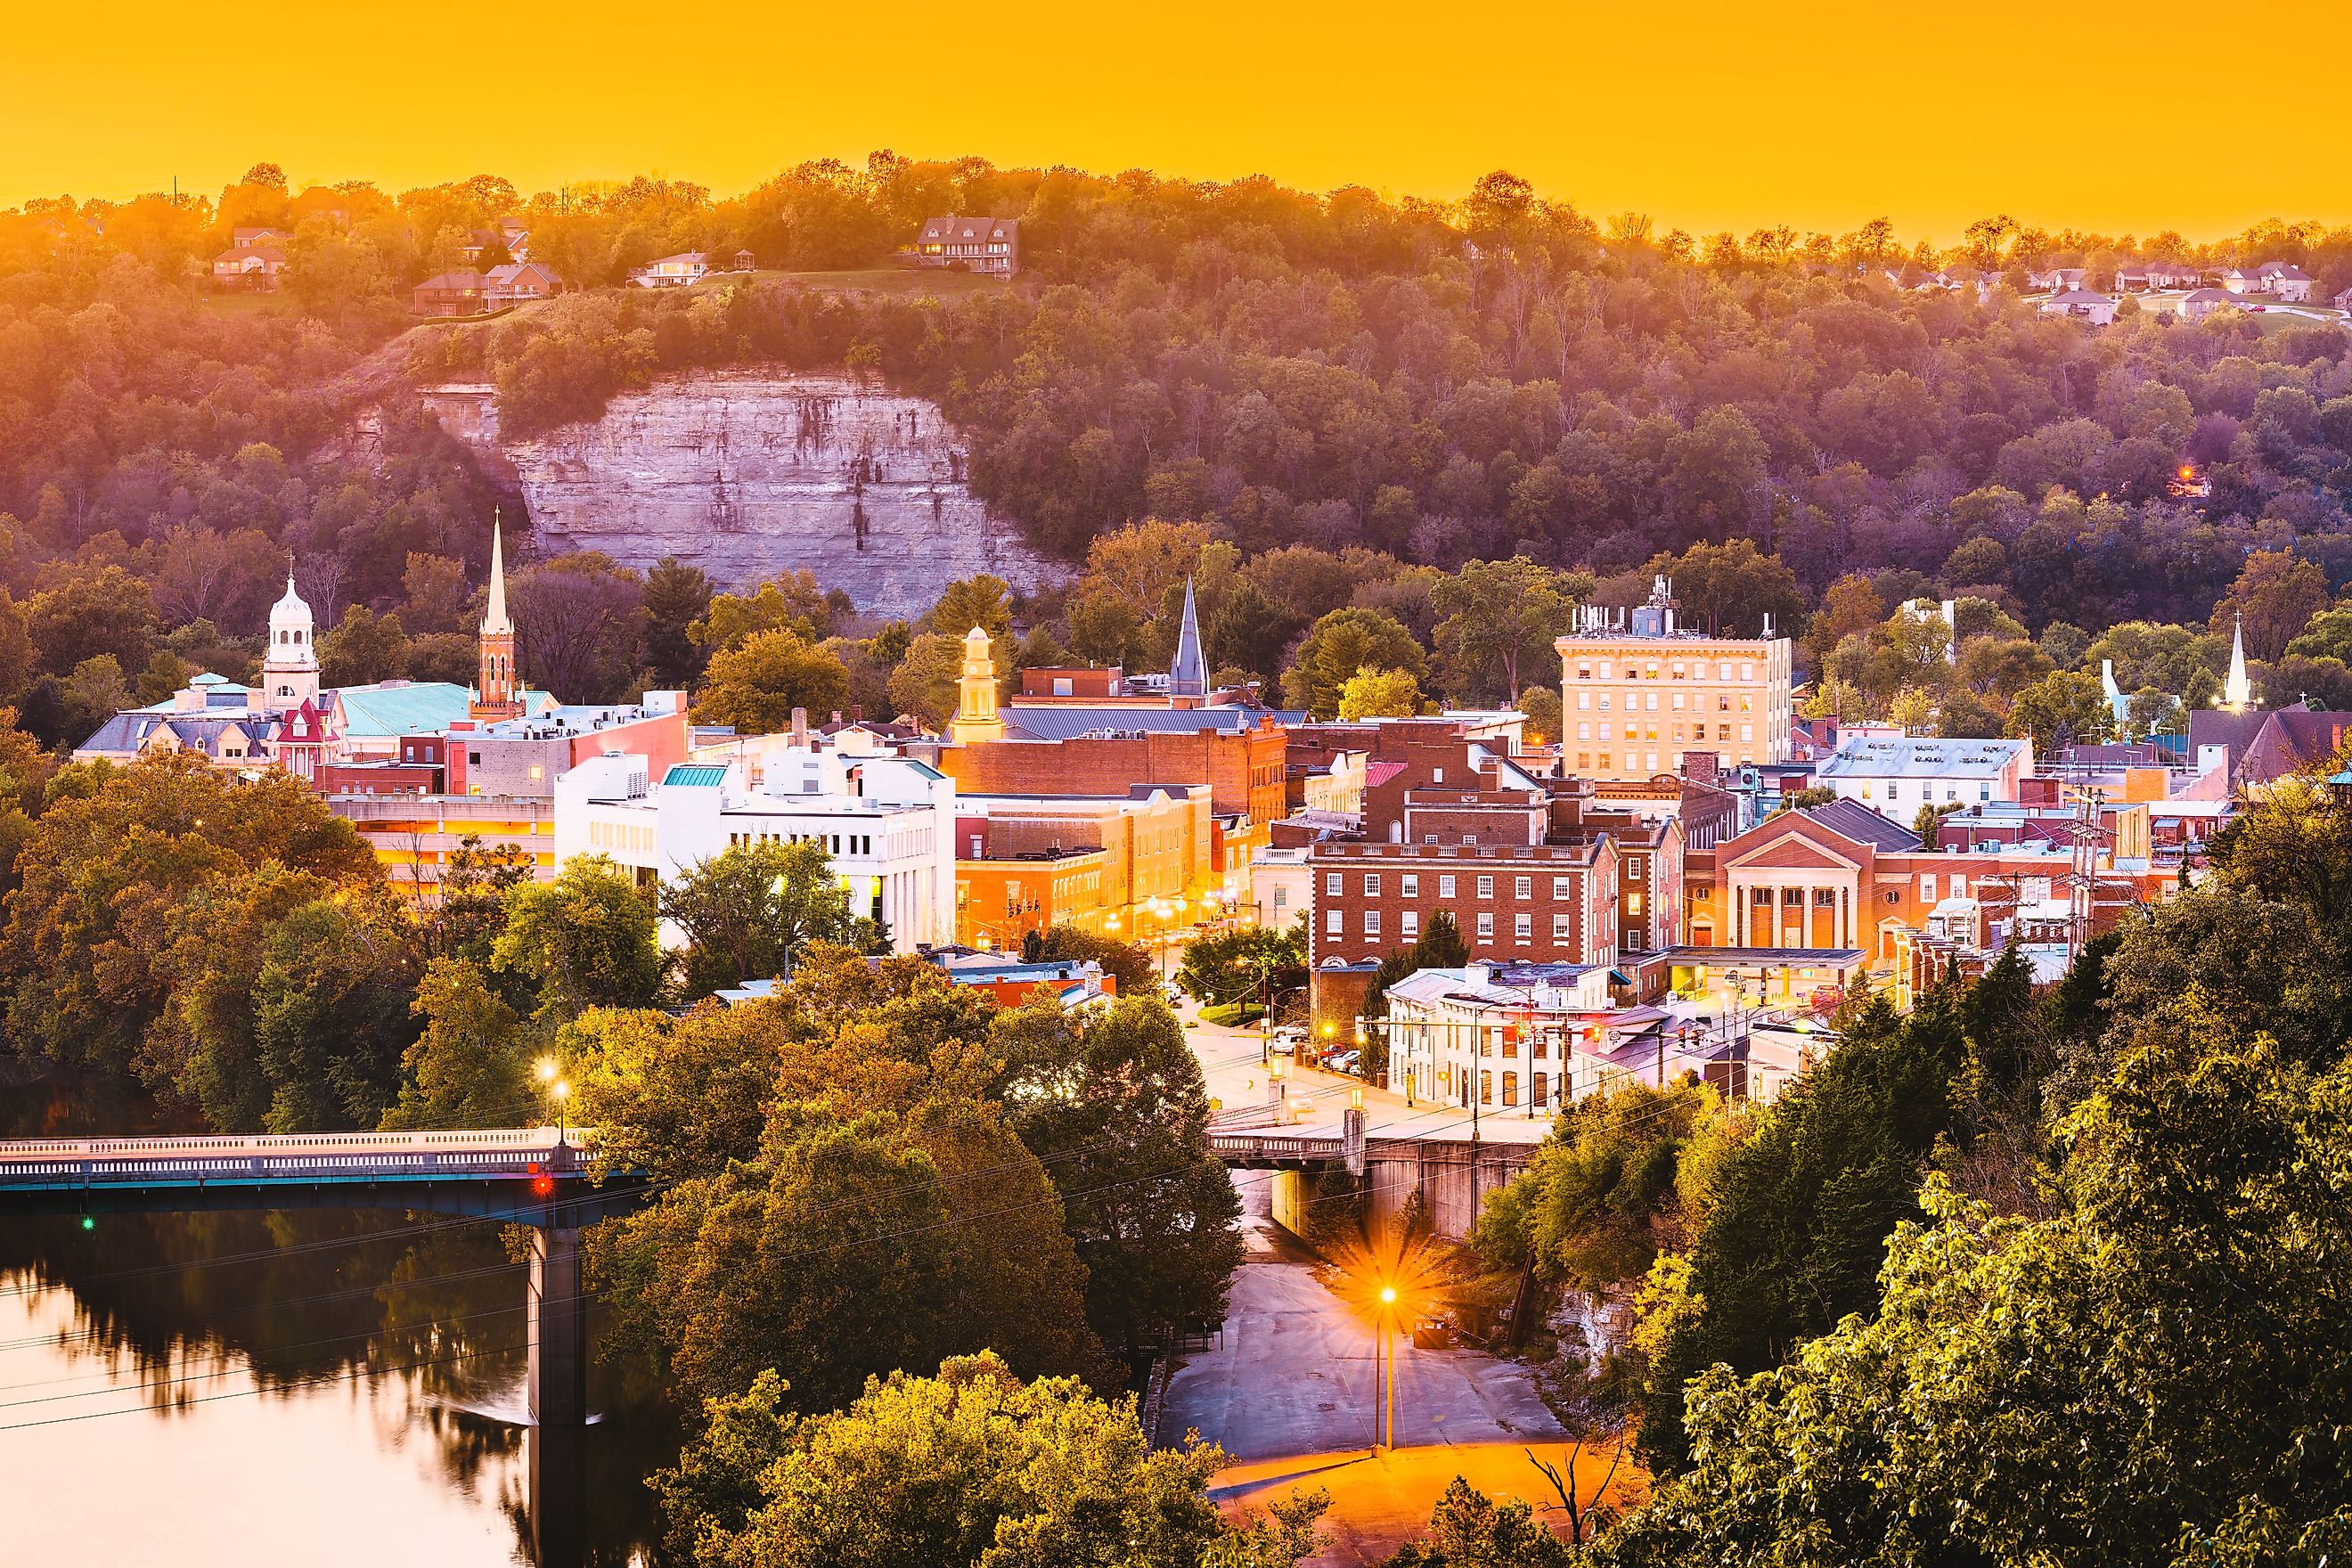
2238 692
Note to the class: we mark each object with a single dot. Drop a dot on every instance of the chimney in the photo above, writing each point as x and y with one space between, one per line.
800 726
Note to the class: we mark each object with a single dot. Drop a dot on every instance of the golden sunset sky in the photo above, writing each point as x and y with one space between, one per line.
1704 115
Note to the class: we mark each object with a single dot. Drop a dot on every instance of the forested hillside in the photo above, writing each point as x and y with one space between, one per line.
1406 385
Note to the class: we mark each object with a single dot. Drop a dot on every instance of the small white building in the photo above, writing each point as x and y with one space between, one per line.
1528 1038
888 822
1898 775
1282 888
2081 305
679 271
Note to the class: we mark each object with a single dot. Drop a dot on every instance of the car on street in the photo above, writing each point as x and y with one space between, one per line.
1344 1062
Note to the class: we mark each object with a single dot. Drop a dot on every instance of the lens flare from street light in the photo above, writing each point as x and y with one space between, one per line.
547 1070
1388 1295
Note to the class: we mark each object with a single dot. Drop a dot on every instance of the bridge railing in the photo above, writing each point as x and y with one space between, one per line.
344 1145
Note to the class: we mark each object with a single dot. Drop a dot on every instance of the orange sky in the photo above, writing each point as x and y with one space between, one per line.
1704 115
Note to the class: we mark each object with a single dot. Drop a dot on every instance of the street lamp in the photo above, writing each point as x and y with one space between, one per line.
557 1090
1385 1352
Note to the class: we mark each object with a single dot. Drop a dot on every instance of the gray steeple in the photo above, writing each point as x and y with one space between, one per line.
1189 676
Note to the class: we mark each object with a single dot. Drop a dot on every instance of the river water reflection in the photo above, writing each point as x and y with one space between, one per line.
296 1388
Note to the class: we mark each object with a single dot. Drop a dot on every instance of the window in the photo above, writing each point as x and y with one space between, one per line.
1584 732
1637 869
1559 928
1332 925
1633 904
1928 886
1584 673
1824 898
1585 701
1523 928
1281 897
1563 888
1371 884
1332 884
1372 922
1485 928
1485 885
1510 1089
1523 887
537 773
1747 672
1445 887
1409 923
1409 885
1535 1086
1894 790
1485 1086
1760 897
1748 731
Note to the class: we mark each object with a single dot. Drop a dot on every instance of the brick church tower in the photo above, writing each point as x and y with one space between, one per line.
497 696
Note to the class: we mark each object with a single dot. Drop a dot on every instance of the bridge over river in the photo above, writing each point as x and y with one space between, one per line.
535 1176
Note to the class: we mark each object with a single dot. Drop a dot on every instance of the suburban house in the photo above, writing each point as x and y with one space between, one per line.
464 292
2059 279
991 246
518 282
251 268
2099 310
2199 303
2141 277
2284 280
673 271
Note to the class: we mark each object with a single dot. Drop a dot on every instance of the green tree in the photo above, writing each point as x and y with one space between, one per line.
790 602
745 912
585 939
973 1469
1116 1108
2276 595
2028 1384
1340 645
1501 617
1379 694
755 686
1729 588
2064 707
363 648
471 1065
103 878
984 601
1798 1212
1245 963
677 596
924 684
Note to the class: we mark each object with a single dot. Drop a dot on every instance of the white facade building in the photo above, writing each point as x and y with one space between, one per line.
1531 1039
888 822
1896 774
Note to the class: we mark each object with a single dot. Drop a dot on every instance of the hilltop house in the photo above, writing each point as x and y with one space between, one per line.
517 283
464 292
253 268
990 246
2284 280
678 271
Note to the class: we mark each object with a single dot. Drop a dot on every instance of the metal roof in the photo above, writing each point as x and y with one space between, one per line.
695 776
1061 723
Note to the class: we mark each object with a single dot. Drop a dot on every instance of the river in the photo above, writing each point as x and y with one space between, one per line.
209 1390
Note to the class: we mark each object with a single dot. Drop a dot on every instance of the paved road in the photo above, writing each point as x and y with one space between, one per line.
1292 1374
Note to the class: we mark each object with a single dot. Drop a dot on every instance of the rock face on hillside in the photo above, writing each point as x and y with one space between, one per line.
746 473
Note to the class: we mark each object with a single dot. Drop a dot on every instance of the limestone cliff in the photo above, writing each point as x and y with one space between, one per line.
747 473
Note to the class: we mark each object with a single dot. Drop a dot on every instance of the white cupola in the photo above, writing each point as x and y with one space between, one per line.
290 671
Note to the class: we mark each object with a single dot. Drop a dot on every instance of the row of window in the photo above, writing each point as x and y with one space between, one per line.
1699 732
1827 898
860 843
1409 886
1927 791
1633 703
1538 1086
1523 927
1638 670
1648 761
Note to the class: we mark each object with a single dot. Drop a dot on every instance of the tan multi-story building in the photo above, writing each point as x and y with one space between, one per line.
1638 691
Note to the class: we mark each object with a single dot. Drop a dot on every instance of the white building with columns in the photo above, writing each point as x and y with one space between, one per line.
888 822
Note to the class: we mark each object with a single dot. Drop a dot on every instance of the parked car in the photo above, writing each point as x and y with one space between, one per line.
1432 1334
1289 1037
1344 1062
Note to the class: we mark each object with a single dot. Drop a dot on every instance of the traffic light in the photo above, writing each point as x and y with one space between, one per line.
90 1222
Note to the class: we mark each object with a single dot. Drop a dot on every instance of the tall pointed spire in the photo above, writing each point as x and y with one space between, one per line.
494 618
2238 693
496 694
1189 676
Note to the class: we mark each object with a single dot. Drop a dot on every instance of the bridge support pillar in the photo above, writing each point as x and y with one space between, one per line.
557 1377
